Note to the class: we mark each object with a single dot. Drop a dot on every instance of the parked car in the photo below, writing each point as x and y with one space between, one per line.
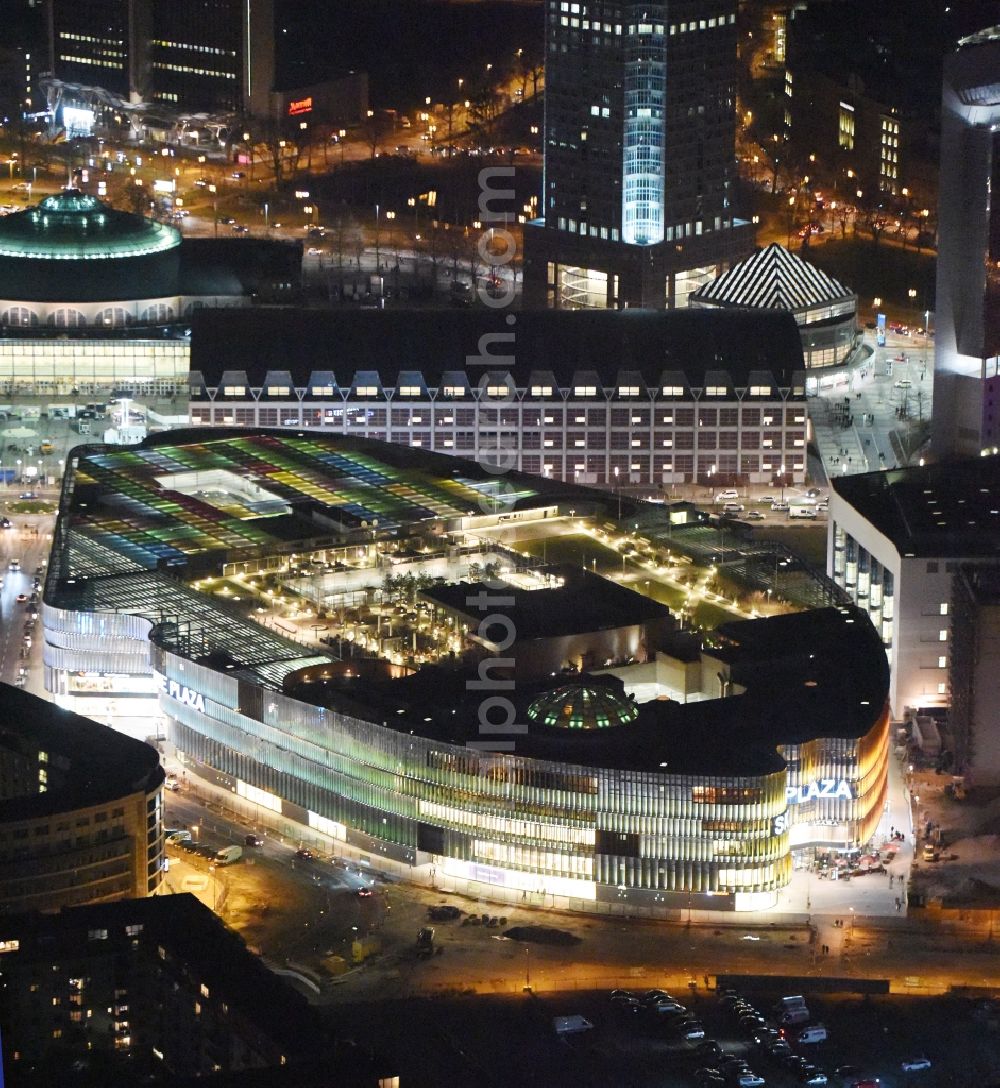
755 515
914 1065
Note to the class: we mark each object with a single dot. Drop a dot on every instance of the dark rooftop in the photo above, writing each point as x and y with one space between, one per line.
948 510
584 602
190 932
830 679
89 764
433 342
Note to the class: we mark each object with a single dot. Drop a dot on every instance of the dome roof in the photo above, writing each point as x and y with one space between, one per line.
73 226
582 705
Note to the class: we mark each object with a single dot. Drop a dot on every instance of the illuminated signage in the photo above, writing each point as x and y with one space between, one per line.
182 694
300 105
779 825
834 788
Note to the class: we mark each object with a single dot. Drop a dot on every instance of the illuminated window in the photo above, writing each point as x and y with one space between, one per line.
585 391
942 662
942 636
497 390
715 390
944 608
628 391
366 390
234 390
760 390
845 127
322 390
454 390
541 390
410 390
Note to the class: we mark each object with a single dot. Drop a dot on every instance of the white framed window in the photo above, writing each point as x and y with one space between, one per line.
673 390
944 608
715 390
366 390
497 390
585 391
760 390
234 390
942 662
541 390
942 636
454 390
410 390
628 391
322 390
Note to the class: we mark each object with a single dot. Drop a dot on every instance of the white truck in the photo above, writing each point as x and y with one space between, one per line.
570 1025
228 854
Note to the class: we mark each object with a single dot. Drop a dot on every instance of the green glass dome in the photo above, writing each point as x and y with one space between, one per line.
72 226
583 706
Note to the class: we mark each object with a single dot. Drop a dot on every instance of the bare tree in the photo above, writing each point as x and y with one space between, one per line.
373 130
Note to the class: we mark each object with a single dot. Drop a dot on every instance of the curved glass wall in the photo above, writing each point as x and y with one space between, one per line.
643 136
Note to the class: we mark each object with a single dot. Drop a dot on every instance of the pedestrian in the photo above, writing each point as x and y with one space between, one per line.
892 832
890 880
706 982
899 903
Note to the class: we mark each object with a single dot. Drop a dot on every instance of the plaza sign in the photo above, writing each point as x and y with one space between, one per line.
832 788
182 694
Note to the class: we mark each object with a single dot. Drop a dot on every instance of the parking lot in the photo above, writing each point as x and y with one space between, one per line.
513 1041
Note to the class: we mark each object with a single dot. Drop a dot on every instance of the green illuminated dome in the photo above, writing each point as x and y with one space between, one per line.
583 706
72 226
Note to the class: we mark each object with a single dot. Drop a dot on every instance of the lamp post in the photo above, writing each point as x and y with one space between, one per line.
619 490
378 224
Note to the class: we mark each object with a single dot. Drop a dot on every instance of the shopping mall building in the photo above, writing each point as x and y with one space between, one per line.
561 791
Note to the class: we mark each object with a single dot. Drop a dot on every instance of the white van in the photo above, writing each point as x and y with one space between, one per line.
808 512
729 495
815 1033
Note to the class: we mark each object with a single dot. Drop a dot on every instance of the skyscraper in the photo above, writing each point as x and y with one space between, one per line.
967 323
640 170
213 56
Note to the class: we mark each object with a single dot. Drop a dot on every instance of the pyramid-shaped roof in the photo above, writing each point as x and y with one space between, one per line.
773 279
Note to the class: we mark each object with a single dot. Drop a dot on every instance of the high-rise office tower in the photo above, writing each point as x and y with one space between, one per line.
212 56
967 323
638 202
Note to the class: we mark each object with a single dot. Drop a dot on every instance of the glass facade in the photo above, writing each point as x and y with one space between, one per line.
569 824
643 135
536 820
